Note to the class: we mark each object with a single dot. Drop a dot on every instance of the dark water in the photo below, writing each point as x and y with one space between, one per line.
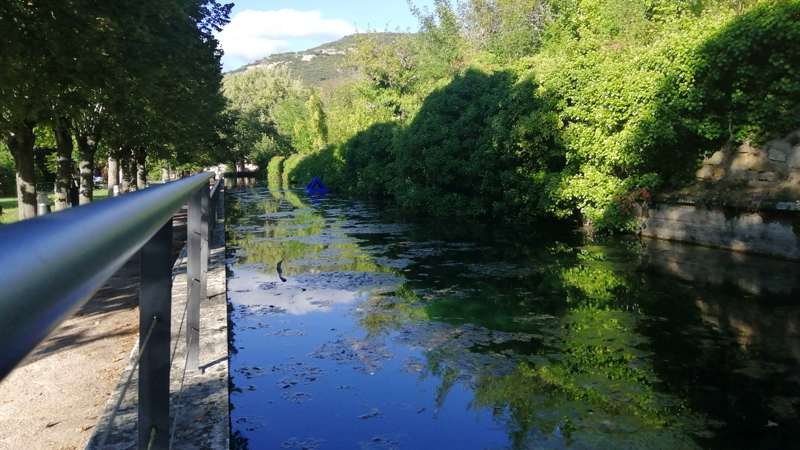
395 336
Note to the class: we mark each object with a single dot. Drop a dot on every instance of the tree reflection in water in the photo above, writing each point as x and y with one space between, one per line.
567 344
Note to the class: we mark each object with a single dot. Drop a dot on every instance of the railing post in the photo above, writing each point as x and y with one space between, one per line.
217 202
155 305
204 244
197 242
221 201
212 209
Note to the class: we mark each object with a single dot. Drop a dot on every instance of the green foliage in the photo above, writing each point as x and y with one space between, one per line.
326 160
506 29
647 89
274 171
288 177
7 182
141 77
462 156
257 104
516 110
271 113
747 83
368 155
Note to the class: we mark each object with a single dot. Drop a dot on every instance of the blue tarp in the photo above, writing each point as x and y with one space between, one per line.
316 187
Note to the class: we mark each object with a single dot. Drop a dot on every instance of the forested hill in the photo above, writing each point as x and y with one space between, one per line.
326 65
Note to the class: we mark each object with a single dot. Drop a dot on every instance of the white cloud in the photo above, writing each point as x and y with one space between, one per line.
253 34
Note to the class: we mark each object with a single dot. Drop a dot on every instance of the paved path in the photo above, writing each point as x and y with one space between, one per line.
53 398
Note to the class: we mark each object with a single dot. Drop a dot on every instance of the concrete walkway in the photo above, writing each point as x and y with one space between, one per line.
53 398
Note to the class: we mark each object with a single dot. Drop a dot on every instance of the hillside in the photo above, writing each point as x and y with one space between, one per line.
321 66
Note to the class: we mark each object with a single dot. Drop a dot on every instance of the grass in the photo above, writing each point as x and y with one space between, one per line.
9 205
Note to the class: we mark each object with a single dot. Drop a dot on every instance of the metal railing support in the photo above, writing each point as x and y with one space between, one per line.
221 200
205 231
197 233
217 196
155 304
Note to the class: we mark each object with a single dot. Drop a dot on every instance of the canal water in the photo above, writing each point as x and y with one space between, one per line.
389 335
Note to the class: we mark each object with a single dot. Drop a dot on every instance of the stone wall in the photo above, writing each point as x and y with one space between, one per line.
776 165
774 233
746 198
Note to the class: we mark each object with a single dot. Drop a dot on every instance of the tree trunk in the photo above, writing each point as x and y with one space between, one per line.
125 175
65 165
87 147
140 157
21 145
113 173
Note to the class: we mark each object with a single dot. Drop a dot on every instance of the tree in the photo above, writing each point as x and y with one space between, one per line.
144 76
266 110
26 72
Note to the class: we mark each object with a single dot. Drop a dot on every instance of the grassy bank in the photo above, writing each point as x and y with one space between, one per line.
9 205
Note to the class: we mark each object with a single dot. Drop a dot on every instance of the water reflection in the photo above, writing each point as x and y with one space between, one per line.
388 335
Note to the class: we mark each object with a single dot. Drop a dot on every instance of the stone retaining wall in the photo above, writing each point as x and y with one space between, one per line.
773 233
776 165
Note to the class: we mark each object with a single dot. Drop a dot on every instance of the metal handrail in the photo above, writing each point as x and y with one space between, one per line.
217 185
51 265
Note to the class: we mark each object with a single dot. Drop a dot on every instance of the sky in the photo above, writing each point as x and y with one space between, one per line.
262 27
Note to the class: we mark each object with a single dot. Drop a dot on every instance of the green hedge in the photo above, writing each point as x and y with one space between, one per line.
275 171
288 178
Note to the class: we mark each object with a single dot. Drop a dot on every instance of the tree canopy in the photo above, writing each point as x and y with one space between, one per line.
139 77
519 110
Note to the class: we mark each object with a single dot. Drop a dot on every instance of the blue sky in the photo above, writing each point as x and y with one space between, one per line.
261 27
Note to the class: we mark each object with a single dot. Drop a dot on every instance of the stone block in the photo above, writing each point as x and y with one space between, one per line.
768 177
746 148
779 145
793 158
743 162
777 155
705 173
715 159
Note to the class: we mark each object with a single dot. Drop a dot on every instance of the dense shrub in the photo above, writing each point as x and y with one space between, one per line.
275 170
462 154
645 92
289 178
748 85
325 163
369 161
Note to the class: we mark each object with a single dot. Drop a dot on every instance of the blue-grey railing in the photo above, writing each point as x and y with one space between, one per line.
51 265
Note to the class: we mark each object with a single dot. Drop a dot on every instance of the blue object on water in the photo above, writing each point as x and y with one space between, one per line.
316 187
